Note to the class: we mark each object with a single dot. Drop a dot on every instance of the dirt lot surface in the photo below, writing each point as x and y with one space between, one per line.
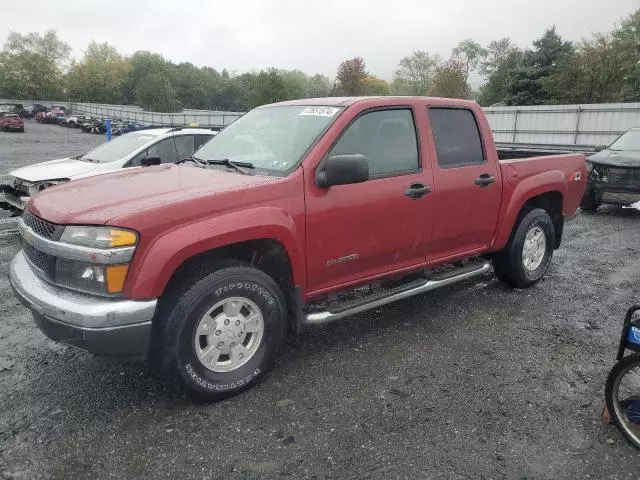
474 381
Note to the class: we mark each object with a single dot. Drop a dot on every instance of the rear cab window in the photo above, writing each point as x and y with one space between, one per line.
456 136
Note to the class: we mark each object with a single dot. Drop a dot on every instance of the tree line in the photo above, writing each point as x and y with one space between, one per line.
602 68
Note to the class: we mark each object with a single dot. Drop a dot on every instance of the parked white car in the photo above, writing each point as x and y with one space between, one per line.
126 151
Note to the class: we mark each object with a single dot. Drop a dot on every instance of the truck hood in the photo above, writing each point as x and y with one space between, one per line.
54 169
96 200
615 158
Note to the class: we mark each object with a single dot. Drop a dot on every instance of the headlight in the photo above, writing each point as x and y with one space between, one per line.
91 278
99 237
37 187
94 277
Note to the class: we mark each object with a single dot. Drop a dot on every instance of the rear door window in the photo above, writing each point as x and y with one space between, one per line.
456 136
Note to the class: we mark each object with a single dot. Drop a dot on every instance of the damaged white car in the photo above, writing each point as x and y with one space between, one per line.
135 149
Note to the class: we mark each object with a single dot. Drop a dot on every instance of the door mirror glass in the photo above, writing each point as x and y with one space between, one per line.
342 170
150 160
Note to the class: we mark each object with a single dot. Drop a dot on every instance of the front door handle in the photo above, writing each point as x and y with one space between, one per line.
484 180
417 190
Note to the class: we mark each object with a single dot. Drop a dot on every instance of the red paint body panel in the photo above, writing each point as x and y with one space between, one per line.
181 211
528 178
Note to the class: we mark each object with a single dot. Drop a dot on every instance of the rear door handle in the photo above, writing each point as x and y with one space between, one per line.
484 180
417 190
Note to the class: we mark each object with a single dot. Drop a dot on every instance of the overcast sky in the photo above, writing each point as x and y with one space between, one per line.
313 36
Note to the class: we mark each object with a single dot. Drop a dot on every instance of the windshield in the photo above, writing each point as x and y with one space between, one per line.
628 141
117 148
271 138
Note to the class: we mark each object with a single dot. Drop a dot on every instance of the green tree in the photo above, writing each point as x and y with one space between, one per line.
193 85
31 65
319 86
268 86
99 76
501 60
350 77
296 84
415 73
469 54
591 74
525 83
143 64
626 42
375 86
155 93
450 80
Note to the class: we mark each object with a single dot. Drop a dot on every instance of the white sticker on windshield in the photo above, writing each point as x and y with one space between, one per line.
319 111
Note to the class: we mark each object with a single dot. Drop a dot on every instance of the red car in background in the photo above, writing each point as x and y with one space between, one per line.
11 121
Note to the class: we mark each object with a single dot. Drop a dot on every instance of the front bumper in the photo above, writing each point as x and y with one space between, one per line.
617 197
104 326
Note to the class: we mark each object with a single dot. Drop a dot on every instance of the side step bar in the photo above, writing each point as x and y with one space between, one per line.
319 318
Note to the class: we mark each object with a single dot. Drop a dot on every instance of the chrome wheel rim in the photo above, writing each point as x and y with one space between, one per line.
229 334
535 246
626 389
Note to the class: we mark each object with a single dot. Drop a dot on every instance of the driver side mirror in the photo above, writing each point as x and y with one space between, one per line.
342 170
150 160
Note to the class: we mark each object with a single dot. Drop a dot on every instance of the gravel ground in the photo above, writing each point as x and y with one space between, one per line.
473 381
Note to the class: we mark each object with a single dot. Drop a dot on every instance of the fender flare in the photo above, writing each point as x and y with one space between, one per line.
525 190
151 271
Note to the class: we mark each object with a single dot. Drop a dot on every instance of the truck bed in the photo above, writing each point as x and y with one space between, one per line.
508 150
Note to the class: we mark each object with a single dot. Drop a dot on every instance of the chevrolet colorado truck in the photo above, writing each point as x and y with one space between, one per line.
299 213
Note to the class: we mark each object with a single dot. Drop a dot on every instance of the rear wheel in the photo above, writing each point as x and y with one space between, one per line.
527 256
220 334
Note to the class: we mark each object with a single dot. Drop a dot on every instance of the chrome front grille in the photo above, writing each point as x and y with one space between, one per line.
38 225
39 259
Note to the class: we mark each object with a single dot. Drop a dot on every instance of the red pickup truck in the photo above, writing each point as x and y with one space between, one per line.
297 214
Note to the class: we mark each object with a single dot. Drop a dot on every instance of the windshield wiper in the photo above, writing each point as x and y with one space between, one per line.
239 166
193 159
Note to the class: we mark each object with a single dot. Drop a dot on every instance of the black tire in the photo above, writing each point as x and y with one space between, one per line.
174 330
616 373
508 264
590 201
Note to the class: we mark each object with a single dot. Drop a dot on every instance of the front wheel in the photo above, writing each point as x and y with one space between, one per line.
223 333
622 395
527 256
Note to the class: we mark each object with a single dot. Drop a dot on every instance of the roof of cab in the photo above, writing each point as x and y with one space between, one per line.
347 101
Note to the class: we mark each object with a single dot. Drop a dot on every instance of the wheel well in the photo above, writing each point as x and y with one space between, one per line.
551 202
267 255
